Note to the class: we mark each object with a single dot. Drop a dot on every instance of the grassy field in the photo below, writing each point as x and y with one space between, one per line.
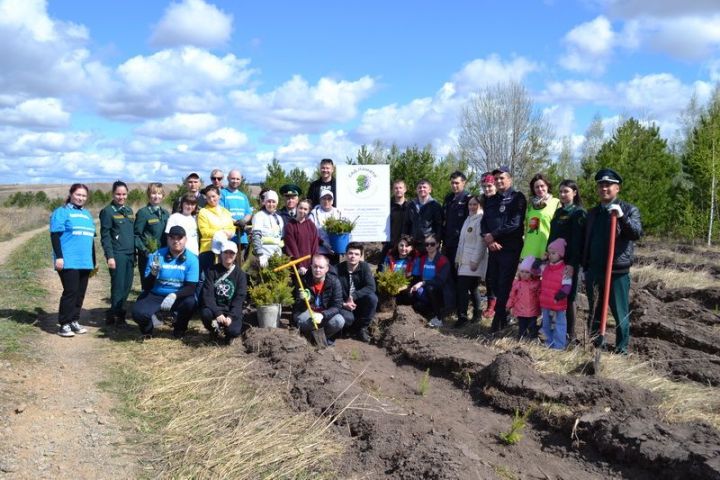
18 220
21 294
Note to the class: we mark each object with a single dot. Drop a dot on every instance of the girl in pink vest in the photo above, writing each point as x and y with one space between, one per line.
524 300
554 289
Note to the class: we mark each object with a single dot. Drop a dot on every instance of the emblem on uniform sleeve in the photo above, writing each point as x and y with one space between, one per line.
502 208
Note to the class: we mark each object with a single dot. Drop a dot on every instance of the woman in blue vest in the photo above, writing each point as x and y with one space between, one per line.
72 231
434 289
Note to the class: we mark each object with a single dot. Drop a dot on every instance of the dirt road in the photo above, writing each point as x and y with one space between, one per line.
54 420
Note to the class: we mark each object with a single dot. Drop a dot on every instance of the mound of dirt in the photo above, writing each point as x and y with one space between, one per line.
406 336
681 322
616 419
679 363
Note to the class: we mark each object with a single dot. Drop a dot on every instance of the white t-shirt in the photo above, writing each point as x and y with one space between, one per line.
189 223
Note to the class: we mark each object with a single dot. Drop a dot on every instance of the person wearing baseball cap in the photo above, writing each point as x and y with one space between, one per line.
502 230
222 295
172 275
192 186
319 215
267 229
595 254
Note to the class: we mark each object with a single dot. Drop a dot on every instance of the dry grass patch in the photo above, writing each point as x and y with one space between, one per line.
18 220
679 401
202 417
670 278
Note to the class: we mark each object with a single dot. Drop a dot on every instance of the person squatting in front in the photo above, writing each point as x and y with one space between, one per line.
172 274
359 297
71 234
117 236
223 293
324 292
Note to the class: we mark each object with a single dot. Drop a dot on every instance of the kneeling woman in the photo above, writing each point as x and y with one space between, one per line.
433 289
223 294
401 259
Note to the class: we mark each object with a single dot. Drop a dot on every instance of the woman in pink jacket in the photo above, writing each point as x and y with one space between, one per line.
524 301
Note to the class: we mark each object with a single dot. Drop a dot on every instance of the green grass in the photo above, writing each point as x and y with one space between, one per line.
22 295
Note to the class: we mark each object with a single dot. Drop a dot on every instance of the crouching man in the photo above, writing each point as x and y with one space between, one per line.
223 294
172 275
324 293
358 284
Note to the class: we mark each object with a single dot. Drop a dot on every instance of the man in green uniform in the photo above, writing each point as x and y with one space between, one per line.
118 242
597 236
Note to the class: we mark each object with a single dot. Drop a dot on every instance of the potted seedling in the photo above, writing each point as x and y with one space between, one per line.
339 230
271 291
389 284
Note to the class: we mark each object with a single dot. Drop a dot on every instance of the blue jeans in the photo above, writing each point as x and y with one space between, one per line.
554 329
331 326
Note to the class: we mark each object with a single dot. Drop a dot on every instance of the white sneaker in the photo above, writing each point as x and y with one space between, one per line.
65 331
157 323
77 328
435 322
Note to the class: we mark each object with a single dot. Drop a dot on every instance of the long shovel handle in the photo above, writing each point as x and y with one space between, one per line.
608 274
302 288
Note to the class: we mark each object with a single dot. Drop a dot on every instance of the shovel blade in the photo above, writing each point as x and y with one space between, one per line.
318 336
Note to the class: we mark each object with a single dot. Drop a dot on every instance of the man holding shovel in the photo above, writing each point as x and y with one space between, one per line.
324 294
595 256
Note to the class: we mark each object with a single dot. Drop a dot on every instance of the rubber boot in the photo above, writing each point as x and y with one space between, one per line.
120 320
490 310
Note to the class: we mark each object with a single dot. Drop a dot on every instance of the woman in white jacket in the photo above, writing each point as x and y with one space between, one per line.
471 263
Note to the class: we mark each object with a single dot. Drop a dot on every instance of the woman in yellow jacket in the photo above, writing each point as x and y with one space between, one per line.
212 219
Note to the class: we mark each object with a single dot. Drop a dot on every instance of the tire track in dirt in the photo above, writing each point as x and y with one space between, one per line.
66 428
8 246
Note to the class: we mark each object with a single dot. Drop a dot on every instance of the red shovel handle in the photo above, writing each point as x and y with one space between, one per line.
608 274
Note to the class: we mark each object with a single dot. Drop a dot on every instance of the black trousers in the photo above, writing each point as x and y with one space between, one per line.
74 284
465 287
502 266
363 314
231 331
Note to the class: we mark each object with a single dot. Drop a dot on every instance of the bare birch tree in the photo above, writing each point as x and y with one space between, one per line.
500 126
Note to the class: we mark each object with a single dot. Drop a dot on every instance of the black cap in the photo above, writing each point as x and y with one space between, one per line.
501 169
290 189
176 231
607 175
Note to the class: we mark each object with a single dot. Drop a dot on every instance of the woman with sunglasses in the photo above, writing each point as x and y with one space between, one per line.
433 290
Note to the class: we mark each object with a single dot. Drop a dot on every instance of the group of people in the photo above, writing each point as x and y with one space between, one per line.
528 254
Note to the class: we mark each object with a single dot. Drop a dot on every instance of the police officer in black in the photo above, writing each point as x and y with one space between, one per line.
117 237
502 230
455 206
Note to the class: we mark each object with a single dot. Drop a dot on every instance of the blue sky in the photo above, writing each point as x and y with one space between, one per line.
95 91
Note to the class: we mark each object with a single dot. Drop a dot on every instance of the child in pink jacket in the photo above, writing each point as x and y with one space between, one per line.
554 289
524 301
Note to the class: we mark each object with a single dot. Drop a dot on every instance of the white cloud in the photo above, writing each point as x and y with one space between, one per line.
39 144
431 120
659 8
561 118
483 72
36 112
192 22
187 80
179 126
223 139
297 106
589 46
576 91
43 57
